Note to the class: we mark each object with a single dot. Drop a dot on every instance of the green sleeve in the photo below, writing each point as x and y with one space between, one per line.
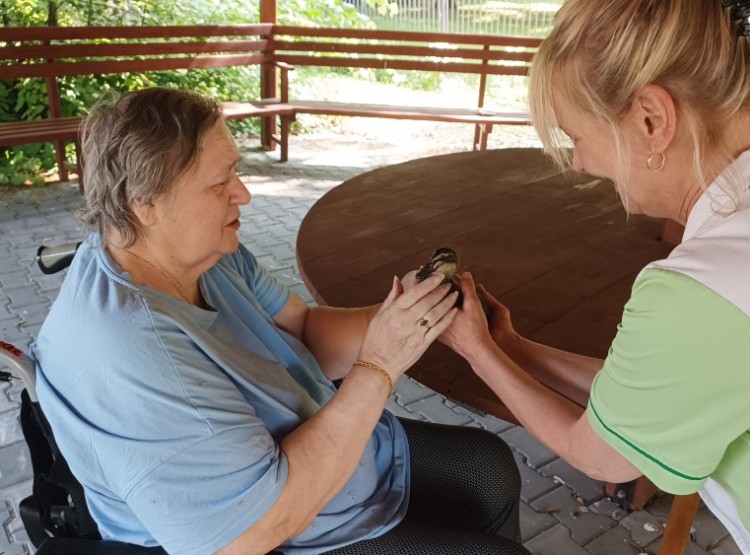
673 391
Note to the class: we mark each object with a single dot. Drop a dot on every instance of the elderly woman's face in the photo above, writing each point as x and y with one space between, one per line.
197 220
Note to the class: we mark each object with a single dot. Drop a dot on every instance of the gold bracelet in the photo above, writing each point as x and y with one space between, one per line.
379 370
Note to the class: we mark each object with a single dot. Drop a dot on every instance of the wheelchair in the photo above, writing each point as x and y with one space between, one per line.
55 515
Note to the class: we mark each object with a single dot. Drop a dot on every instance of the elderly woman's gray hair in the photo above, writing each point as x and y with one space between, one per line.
135 147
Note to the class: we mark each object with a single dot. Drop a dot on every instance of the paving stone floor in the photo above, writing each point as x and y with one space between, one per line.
563 511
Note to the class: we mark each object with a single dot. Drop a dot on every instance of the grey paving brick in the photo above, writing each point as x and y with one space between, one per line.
536 454
607 508
10 426
10 396
660 505
586 488
494 425
584 525
707 530
14 278
438 409
644 527
48 283
402 412
533 485
23 296
12 496
554 541
726 547
288 278
32 315
409 391
273 263
534 522
691 548
14 464
613 542
283 253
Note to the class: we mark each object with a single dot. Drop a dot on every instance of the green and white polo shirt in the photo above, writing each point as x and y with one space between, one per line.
673 396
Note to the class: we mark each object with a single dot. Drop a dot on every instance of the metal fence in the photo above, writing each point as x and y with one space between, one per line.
511 17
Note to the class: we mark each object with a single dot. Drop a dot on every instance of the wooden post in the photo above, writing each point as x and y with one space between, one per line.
480 133
268 76
677 534
55 111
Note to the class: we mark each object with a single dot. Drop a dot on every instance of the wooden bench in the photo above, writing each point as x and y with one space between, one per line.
56 52
479 55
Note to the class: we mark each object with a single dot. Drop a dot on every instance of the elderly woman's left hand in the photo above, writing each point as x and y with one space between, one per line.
469 329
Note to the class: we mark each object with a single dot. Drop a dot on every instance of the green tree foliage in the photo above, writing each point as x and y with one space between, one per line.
23 99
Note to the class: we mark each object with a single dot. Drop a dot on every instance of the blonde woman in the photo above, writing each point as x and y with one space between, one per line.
654 95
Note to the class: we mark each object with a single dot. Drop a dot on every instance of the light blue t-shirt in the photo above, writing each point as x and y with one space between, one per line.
170 415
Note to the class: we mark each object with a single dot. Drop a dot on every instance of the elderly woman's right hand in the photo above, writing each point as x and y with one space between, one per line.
406 324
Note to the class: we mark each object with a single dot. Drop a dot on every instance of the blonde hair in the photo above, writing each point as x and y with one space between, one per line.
600 53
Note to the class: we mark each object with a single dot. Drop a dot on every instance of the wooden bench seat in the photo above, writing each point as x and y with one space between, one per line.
484 119
35 131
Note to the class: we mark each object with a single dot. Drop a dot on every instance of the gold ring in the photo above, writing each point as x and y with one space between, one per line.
424 322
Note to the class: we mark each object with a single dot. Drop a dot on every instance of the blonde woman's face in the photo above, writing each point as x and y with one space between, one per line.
591 141
595 153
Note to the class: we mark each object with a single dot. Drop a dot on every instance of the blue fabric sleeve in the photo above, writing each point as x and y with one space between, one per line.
271 293
194 511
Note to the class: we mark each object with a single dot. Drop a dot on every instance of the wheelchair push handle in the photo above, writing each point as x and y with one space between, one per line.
56 258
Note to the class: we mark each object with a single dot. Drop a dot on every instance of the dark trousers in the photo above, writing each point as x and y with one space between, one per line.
464 498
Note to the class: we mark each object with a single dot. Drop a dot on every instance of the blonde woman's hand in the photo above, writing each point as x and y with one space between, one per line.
407 323
469 328
500 325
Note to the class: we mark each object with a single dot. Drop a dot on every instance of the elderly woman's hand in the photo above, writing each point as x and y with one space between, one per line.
409 280
406 324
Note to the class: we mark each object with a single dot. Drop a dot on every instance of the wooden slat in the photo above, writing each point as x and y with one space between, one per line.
12 34
401 36
67 128
129 66
18 133
128 49
240 110
398 50
449 67
427 113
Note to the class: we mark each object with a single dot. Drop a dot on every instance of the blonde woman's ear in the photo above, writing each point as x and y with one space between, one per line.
655 116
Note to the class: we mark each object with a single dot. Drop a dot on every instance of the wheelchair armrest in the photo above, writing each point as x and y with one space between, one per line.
21 366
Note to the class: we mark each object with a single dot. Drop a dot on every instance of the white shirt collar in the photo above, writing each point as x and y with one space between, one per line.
715 203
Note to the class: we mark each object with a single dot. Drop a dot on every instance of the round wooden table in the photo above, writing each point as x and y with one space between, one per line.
558 250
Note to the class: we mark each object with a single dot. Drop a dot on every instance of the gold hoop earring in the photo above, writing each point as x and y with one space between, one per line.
661 162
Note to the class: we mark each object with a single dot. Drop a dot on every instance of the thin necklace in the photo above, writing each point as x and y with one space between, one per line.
165 274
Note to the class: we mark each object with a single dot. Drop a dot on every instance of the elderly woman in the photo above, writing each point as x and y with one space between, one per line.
191 393
654 95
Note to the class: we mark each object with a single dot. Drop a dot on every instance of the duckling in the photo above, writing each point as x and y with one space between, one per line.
445 261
